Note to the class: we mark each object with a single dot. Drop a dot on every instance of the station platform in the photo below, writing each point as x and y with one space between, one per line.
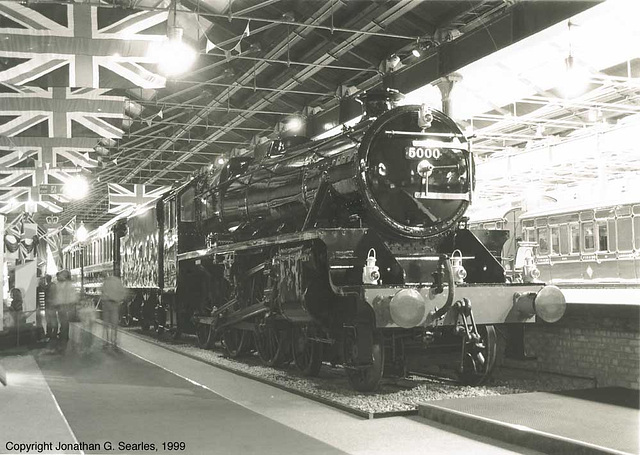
592 421
144 394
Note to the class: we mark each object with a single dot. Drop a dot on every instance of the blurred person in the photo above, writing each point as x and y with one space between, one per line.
50 314
16 306
113 293
86 314
64 298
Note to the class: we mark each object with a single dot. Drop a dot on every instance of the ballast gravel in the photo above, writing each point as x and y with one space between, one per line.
394 396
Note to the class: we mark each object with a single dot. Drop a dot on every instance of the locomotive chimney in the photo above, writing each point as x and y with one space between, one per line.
378 101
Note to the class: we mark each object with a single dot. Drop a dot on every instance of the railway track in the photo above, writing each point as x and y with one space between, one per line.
396 396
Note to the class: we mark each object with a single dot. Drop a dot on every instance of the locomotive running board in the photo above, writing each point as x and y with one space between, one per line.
269 242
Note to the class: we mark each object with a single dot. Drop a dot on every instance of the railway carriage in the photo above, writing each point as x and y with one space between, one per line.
352 249
594 243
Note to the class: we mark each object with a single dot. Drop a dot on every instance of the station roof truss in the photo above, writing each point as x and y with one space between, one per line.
261 61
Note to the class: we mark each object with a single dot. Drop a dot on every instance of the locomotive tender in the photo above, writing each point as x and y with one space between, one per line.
351 249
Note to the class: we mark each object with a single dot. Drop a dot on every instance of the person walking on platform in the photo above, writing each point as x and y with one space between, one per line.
64 299
16 306
113 293
49 311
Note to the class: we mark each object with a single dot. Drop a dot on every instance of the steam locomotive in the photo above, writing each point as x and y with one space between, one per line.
351 249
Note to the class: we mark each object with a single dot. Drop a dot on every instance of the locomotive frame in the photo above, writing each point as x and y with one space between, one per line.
336 250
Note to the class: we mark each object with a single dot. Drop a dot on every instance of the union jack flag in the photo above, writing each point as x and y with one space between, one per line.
64 112
124 197
26 199
78 45
48 152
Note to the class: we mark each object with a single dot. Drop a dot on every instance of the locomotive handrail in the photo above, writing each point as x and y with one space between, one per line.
419 133
292 155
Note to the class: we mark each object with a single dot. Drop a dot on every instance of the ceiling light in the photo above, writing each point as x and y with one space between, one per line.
76 187
576 78
81 233
294 124
173 55
416 52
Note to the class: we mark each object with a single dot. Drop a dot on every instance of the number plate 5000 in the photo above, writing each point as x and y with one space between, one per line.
418 153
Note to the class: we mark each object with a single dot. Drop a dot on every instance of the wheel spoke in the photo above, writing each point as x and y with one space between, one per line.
307 354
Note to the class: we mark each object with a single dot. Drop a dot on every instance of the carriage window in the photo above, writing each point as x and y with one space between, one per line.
575 238
636 230
187 212
625 234
611 224
530 235
603 236
555 240
564 239
543 240
588 237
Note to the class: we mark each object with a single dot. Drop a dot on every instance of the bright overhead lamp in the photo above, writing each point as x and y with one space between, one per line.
576 77
174 57
81 233
76 187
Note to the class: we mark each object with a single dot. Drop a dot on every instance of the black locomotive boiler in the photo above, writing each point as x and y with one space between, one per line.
351 249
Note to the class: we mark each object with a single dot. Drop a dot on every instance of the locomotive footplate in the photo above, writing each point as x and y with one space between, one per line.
407 307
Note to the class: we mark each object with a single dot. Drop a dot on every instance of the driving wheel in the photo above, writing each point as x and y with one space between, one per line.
366 378
478 359
307 353
272 344
236 342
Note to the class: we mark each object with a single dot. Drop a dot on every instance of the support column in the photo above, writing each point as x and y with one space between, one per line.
446 85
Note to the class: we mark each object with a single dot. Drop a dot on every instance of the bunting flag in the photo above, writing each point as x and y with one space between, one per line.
124 197
60 112
209 46
79 45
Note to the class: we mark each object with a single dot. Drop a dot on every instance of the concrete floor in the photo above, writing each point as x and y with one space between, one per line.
146 394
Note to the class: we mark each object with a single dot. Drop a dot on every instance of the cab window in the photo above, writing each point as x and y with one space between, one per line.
187 206
169 213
